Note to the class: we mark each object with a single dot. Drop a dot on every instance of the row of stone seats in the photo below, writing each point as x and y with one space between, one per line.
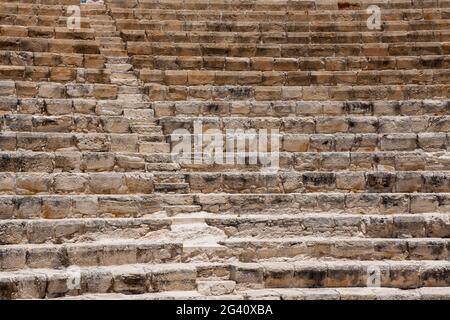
72 160
157 92
55 90
169 277
12 20
273 51
275 108
49 45
142 183
53 60
39 106
275 5
94 142
46 32
397 226
94 160
91 206
233 78
248 109
330 63
263 17
76 183
101 142
54 256
136 29
295 93
206 287
307 125
292 78
399 37
57 74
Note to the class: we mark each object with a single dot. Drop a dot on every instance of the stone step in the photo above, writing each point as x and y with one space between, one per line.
118 60
58 74
222 78
274 50
73 123
430 160
296 11
52 90
123 67
174 210
78 206
439 34
77 230
295 124
215 287
159 92
299 182
91 142
286 249
106 252
76 183
250 109
134 29
323 249
74 161
47 32
269 64
330 224
169 177
75 206
141 278
114 53
372 293
146 129
334 142
293 78
167 295
49 45
168 187
162 167
307 274
24 18
40 283
45 59
126 79
301 203
73 107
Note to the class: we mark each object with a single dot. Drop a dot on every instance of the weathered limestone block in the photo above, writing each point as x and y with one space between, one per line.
248 274
173 278
97 161
56 207
215 288
69 183
85 206
32 183
27 207
130 281
107 183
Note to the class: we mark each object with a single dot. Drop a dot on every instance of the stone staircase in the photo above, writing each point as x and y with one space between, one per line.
94 206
